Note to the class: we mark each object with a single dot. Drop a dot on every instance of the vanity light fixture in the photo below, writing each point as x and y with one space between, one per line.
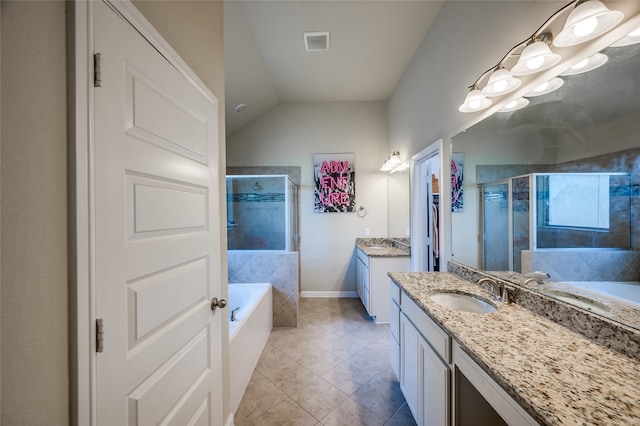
546 87
536 57
632 38
391 162
583 20
500 83
515 105
475 101
587 21
400 167
587 64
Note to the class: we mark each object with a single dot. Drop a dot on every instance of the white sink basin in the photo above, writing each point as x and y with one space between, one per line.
463 302
581 301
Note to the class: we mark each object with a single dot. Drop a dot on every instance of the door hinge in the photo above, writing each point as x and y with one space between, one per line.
97 74
99 335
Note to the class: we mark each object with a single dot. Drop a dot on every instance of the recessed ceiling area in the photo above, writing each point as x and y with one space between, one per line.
371 44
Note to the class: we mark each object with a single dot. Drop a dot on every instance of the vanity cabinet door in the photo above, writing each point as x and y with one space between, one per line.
362 282
394 321
434 387
409 364
424 377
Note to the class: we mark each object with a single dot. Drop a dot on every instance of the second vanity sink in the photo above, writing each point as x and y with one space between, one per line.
463 302
581 301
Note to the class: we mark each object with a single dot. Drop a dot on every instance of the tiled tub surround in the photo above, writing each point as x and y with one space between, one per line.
584 265
614 331
280 269
384 247
555 374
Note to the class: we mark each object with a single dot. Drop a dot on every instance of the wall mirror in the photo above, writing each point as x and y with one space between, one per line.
589 126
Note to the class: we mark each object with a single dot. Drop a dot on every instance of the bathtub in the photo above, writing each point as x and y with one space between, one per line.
248 334
627 292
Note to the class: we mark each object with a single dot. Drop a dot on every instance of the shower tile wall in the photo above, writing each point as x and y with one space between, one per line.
627 161
592 265
258 214
278 268
589 265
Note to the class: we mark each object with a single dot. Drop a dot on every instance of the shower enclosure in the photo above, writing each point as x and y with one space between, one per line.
261 213
553 211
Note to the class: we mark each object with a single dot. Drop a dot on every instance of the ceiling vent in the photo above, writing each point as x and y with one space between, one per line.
316 41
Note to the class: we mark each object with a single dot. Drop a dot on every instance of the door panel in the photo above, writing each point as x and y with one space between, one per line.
155 192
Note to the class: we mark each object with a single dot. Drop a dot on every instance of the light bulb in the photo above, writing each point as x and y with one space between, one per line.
535 63
511 104
635 33
500 85
542 87
580 64
475 104
585 27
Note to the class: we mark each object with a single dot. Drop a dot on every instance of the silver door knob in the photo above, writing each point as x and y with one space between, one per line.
217 303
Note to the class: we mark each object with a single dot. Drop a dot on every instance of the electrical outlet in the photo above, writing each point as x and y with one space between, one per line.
367 232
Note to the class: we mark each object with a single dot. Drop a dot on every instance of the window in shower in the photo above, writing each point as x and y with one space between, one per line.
583 210
261 213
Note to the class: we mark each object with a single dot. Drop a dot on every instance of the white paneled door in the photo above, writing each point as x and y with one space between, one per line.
156 215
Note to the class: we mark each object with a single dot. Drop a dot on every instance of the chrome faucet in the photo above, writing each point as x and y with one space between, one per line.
495 287
538 277
501 294
233 313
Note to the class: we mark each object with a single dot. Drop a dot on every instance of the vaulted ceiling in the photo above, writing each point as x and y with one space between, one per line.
371 44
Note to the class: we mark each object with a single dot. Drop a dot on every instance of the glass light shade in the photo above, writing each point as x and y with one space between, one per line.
547 87
632 38
391 162
475 101
501 82
587 64
515 105
587 21
400 167
534 58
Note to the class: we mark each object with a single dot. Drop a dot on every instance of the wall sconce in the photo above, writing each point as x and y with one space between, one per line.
536 57
546 87
475 101
588 64
393 163
501 82
585 20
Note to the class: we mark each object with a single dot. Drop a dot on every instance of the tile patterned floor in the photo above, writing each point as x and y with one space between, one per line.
332 370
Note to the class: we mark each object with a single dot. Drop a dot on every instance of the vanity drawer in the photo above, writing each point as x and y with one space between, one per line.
437 338
363 257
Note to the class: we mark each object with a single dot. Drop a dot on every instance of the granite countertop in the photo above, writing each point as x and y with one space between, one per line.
383 247
557 375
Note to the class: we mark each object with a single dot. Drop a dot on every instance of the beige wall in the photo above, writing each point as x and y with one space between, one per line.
35 385
466 38
34 310
289 135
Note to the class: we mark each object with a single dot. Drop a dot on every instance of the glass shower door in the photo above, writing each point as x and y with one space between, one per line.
521 219
496 227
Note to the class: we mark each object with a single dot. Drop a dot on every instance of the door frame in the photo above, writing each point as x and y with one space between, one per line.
82 302
419 189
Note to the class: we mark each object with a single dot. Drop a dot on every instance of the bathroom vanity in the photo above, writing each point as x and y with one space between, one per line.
501 365
375 257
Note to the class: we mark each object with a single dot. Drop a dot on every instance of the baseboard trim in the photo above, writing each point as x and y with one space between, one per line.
330 294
